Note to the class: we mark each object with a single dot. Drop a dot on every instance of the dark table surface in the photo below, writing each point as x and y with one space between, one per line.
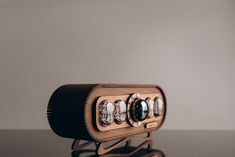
44 143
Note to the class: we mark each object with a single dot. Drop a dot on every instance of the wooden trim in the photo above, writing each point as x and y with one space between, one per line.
129 120
107 90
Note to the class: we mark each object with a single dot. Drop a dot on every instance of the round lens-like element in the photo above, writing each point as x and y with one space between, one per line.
106 113
140 110
120 111
158 106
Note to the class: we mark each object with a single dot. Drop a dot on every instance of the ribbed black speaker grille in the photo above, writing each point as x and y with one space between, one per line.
65 111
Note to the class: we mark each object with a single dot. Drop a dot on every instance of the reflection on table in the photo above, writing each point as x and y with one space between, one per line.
122 152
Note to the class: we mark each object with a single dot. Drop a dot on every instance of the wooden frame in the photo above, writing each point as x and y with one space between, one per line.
116 90
72 111
128 120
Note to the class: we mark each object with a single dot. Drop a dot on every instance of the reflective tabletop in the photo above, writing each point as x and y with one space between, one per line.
44 143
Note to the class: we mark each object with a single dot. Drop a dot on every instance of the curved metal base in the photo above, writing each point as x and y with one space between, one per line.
104 151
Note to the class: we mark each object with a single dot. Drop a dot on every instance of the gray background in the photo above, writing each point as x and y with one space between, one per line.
186 46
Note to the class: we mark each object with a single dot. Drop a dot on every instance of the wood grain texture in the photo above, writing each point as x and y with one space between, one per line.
72 110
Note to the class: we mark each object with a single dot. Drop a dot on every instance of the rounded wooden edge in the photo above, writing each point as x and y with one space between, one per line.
165 106
87 117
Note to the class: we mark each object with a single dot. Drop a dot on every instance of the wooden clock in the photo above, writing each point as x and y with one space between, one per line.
104 112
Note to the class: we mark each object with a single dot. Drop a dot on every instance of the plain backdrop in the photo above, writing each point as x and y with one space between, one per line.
185 46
